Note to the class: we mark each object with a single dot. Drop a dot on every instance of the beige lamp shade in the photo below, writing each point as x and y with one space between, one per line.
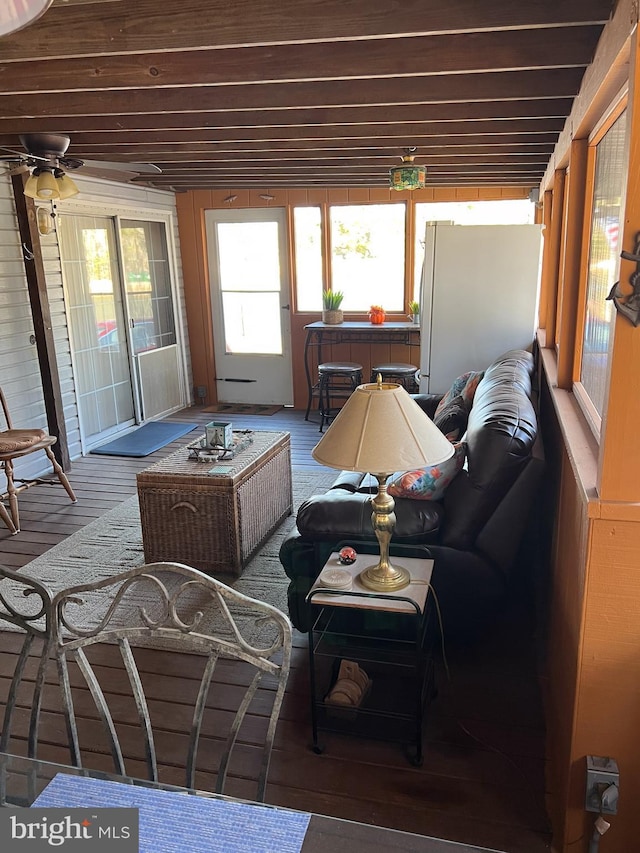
379 430
16 14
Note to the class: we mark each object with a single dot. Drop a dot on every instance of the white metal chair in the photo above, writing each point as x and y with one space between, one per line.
240 645
15 443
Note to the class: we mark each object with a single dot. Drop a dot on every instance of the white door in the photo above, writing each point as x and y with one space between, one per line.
249 275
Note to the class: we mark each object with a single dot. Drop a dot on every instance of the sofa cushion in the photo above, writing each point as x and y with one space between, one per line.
464 386
452 420
430 483
501 431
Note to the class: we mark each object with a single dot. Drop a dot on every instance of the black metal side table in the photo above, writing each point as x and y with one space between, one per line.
386 634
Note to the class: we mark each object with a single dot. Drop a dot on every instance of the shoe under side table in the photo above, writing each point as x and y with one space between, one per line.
387 635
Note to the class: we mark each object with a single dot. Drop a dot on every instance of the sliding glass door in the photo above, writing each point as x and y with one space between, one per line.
122 329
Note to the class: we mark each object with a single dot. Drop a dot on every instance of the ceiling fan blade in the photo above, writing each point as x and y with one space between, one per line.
142 168
11 151
19 155
17 169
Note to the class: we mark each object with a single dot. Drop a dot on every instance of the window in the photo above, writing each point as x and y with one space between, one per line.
603 261
307 232
368 255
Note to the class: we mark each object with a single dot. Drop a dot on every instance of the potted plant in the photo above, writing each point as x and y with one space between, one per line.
331 302
414 311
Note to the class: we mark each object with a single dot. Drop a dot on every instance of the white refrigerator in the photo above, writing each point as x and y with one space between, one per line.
478 297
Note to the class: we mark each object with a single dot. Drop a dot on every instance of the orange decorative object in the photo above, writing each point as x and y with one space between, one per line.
376 314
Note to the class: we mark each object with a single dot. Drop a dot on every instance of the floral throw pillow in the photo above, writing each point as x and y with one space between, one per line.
452 420
428 484
464 386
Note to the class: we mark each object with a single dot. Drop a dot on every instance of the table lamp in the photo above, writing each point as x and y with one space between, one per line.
379 430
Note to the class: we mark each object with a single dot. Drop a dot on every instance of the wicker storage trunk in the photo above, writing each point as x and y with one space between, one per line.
215 521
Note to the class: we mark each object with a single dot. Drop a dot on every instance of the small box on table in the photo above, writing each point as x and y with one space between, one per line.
219 434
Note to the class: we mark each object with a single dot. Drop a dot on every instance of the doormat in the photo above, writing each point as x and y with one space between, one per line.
241 409
146 439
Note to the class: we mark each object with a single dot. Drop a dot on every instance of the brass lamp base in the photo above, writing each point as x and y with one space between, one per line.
384 578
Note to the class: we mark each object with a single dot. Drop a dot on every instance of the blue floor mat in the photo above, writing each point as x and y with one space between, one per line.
146 439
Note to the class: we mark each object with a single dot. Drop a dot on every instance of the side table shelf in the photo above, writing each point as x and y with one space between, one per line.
386 635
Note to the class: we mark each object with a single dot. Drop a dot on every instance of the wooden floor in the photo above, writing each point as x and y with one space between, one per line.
482 781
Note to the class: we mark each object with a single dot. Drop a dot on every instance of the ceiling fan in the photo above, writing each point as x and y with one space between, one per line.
46 154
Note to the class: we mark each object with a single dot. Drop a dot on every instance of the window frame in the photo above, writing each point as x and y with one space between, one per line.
581 394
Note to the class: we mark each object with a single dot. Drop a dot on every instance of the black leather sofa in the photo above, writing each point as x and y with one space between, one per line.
474 533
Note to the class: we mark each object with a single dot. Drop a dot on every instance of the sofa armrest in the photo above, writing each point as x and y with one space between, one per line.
344 515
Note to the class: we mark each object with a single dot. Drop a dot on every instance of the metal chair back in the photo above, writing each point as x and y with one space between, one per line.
237 646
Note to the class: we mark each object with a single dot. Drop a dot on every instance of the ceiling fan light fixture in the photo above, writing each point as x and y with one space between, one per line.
31 186
66 186
47 188
409 175
16 14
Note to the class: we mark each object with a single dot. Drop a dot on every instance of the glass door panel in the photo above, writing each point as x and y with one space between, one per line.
148 284
97 326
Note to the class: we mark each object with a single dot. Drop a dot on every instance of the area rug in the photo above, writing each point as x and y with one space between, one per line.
113 543
242 409
146 439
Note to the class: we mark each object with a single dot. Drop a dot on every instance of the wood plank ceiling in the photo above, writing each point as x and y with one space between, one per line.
286 93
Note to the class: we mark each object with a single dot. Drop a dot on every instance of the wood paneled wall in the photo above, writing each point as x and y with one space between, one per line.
191 223
593 640
593 645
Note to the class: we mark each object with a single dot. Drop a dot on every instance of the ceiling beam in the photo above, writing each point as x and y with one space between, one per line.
559 47
129 143
110 28
387 114
464 88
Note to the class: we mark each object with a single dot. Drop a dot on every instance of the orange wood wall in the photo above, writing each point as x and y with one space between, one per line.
191 224
593 644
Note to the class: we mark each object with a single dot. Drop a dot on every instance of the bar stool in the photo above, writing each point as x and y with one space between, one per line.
402 374
337 380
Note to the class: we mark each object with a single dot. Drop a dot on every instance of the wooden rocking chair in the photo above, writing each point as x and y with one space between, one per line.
15 443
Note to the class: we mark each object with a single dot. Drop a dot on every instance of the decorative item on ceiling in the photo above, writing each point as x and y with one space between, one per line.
230 199
16 14
629 304
267 196
379 430
408 176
